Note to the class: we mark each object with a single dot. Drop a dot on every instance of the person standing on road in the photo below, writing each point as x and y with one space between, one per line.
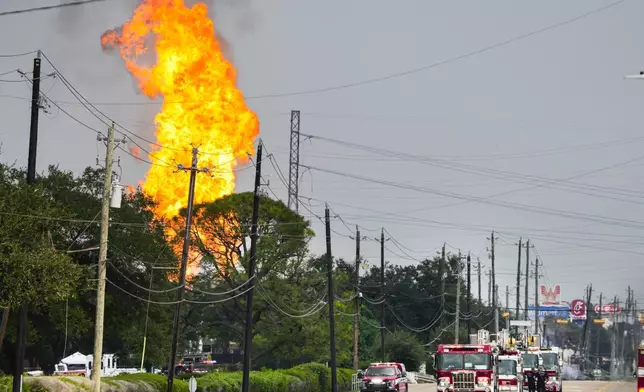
532 381
541 377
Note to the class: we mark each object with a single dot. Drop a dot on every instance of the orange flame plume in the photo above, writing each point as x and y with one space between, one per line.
202 105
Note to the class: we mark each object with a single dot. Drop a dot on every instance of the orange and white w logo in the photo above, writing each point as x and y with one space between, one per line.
551 295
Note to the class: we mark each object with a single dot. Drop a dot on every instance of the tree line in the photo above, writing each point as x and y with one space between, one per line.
49 236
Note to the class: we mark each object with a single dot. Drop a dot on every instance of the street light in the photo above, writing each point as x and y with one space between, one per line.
637 76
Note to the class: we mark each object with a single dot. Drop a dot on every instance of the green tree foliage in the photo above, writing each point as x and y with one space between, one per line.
290 321
62 212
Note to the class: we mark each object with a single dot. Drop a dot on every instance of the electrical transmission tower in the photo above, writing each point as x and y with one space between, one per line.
294 161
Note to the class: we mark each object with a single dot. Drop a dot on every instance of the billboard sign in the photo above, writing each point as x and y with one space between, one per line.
550 295
561 311
608 309
578 309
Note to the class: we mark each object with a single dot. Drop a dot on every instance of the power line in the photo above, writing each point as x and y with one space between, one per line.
44 8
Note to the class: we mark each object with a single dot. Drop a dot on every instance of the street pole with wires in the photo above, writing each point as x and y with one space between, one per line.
31 180
382 285
102 263
356 303
599 330
442 272
478 271
331 295
518 282
469 294
536 295
193 169
493 283
527 277
252 261
458 298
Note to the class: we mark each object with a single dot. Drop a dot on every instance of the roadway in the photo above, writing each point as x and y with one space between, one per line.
568 386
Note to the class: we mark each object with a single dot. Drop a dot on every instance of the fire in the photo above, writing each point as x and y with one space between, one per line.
202 105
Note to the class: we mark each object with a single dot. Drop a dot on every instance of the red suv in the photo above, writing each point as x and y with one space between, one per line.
386 377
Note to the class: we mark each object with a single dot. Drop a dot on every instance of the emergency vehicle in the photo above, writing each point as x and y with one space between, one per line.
384 376
551 358
465 367
531 361
640 369
509 376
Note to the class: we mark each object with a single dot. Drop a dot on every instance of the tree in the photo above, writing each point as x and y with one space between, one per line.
289 321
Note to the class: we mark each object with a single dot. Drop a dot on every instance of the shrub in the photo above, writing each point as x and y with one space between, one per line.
156 381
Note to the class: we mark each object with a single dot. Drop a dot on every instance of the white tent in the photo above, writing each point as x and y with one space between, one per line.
75 359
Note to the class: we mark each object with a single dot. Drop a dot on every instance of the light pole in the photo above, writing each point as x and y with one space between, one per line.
636 76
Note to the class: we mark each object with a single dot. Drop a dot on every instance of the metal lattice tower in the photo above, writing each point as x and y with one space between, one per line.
294 161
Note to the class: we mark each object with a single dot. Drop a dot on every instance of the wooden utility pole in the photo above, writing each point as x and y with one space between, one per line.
494 305
382 286
102 263
252 262
599 330
519 281
478 271
469 294
536 296
458 298
331 296
31 180
442 275
193 169
356 304
527 277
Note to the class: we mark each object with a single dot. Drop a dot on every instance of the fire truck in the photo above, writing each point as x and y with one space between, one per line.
509 374
551 358
465 367
640 369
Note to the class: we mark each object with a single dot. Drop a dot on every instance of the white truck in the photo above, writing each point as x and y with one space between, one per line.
81 365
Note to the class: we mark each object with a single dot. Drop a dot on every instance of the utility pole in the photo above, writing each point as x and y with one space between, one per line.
184 264
31 180
599 330
458 298
536 295
382 285
479 278
494 305
442 272
489 288
469 294
519 281
496 313
356 303
584 339
507 307
331 295
252 262
102 263
613 341
527 277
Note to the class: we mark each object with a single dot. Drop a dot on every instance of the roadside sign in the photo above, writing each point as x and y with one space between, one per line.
520 323
599 321
562 321
192 385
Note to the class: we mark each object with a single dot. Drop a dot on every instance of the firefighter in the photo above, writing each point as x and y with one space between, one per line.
541 378
532 381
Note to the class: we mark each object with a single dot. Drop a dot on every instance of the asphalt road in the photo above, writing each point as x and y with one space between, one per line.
568 386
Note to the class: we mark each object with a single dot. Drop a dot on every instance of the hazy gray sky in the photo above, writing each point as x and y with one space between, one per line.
553 105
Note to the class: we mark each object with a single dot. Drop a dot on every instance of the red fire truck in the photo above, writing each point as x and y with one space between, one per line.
465 367
640 369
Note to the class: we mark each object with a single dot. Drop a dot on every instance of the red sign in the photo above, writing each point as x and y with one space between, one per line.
550 295
578 308
608 309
